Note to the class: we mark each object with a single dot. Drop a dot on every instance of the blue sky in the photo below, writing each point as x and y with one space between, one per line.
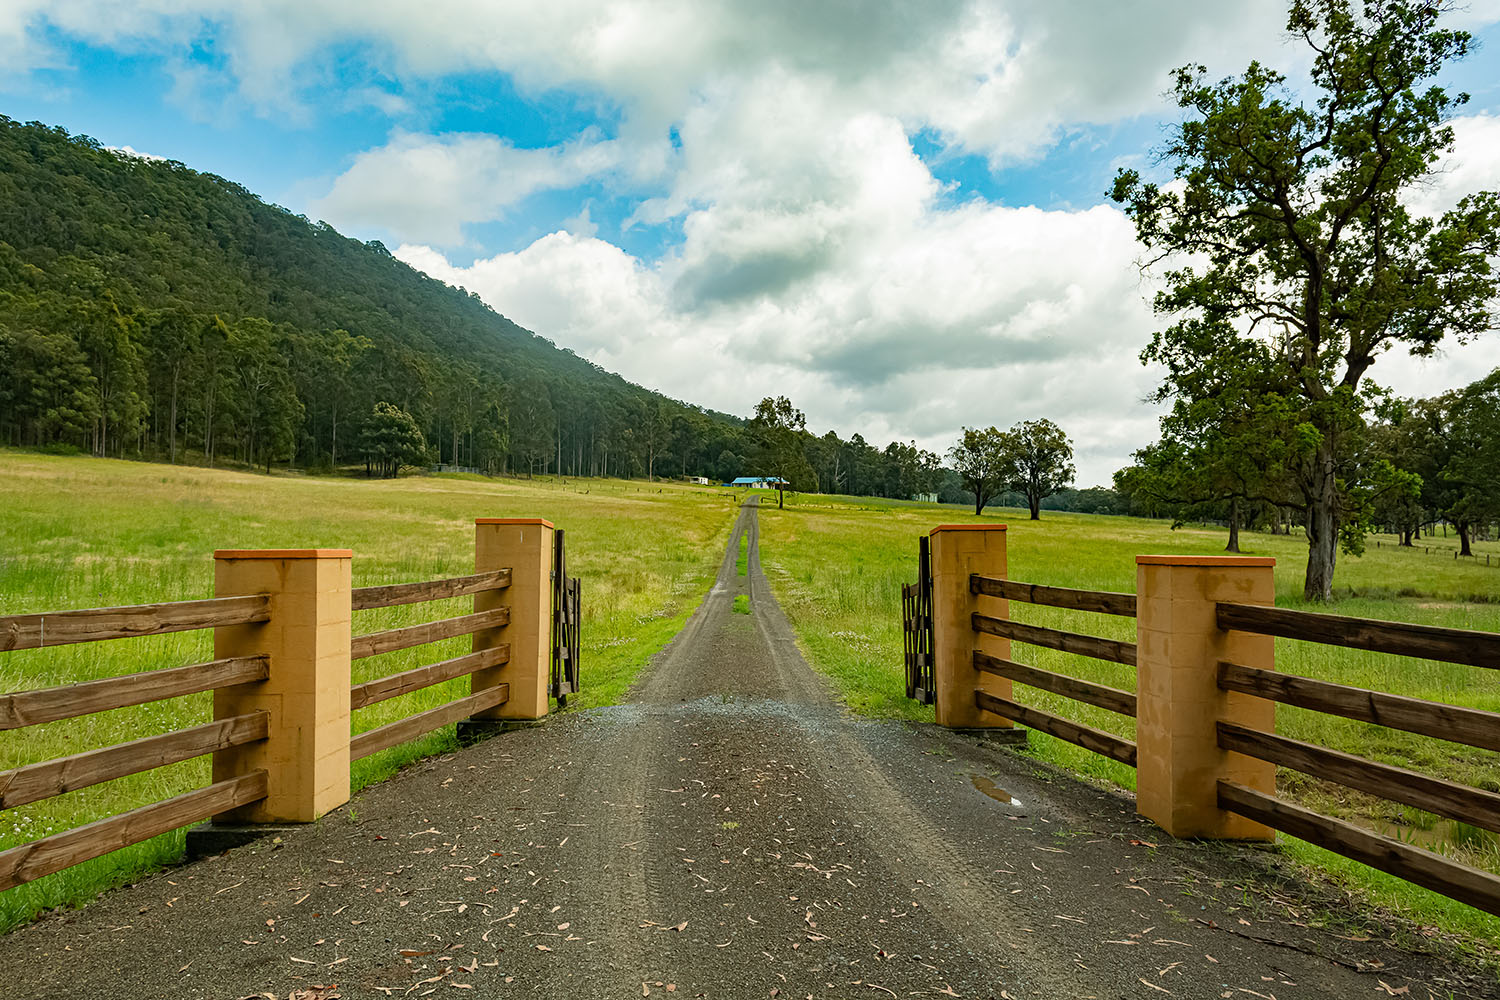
895 216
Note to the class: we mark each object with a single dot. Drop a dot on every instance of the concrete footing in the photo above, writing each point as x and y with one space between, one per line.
207 839
1014 736
470 731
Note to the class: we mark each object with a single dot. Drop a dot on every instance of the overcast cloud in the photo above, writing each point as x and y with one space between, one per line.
813 251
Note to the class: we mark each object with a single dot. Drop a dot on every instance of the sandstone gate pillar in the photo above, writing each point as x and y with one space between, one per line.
957 550
1179 646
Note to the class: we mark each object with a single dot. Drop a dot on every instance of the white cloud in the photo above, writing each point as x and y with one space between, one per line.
428 187
831 271
994 77
1473 165
134 154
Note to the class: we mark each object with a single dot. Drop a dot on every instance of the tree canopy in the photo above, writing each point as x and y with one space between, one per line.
1287 239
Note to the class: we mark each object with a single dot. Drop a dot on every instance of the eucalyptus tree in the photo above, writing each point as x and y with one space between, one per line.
984 462
1040 461
1292 221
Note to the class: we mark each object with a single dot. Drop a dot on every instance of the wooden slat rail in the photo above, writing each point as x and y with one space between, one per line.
1470 726
1458 881
61 628
1446 798
35 782
373 692
1100 695
384 737
365 598
1100 742
375 643
1104 602
63 850
1428 642
30 708
1068 642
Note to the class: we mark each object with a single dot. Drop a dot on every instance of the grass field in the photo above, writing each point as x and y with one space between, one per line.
77 533
837 565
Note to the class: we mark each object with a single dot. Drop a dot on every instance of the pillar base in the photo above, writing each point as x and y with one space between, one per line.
471 731
207 839
1005 736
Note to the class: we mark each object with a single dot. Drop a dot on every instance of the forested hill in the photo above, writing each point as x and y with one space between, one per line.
147 308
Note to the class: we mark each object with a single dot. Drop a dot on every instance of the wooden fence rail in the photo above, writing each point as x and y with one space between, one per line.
1068 642
35 782
30 708
1097 740
1099 601
63 850
1076 689
1099 695
385 688
1478 888
390 595
373 741
1428 642
1471 726
375 643
61 628
1398 784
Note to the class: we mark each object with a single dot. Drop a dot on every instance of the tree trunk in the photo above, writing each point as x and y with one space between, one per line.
1322 529
1462 527
172 427
1035 503
1234 526
1406 533
780 497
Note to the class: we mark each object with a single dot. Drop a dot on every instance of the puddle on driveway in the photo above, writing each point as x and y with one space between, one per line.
989 788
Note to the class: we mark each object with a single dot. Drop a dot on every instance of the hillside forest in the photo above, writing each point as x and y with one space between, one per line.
148 310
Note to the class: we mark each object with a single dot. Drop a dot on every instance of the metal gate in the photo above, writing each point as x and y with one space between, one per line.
567 594
916 626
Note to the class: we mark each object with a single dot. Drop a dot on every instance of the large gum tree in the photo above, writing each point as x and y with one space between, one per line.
1289 223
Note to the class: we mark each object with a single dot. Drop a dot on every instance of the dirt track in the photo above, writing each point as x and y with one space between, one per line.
731 832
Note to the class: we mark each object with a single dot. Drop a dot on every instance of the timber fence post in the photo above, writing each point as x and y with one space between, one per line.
524 546
1179 702
958 550
306 643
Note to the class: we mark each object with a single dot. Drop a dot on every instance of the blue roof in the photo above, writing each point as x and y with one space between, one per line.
749 480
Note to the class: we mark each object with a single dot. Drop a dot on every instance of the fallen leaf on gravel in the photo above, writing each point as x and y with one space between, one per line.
304 961
563 927
1158 989
408 953
680 927
1393 991
542 947
1142 843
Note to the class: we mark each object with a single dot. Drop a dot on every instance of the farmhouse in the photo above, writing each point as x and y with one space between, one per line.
760 482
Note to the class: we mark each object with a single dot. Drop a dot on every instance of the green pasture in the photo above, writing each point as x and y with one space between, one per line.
837 565
80 533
